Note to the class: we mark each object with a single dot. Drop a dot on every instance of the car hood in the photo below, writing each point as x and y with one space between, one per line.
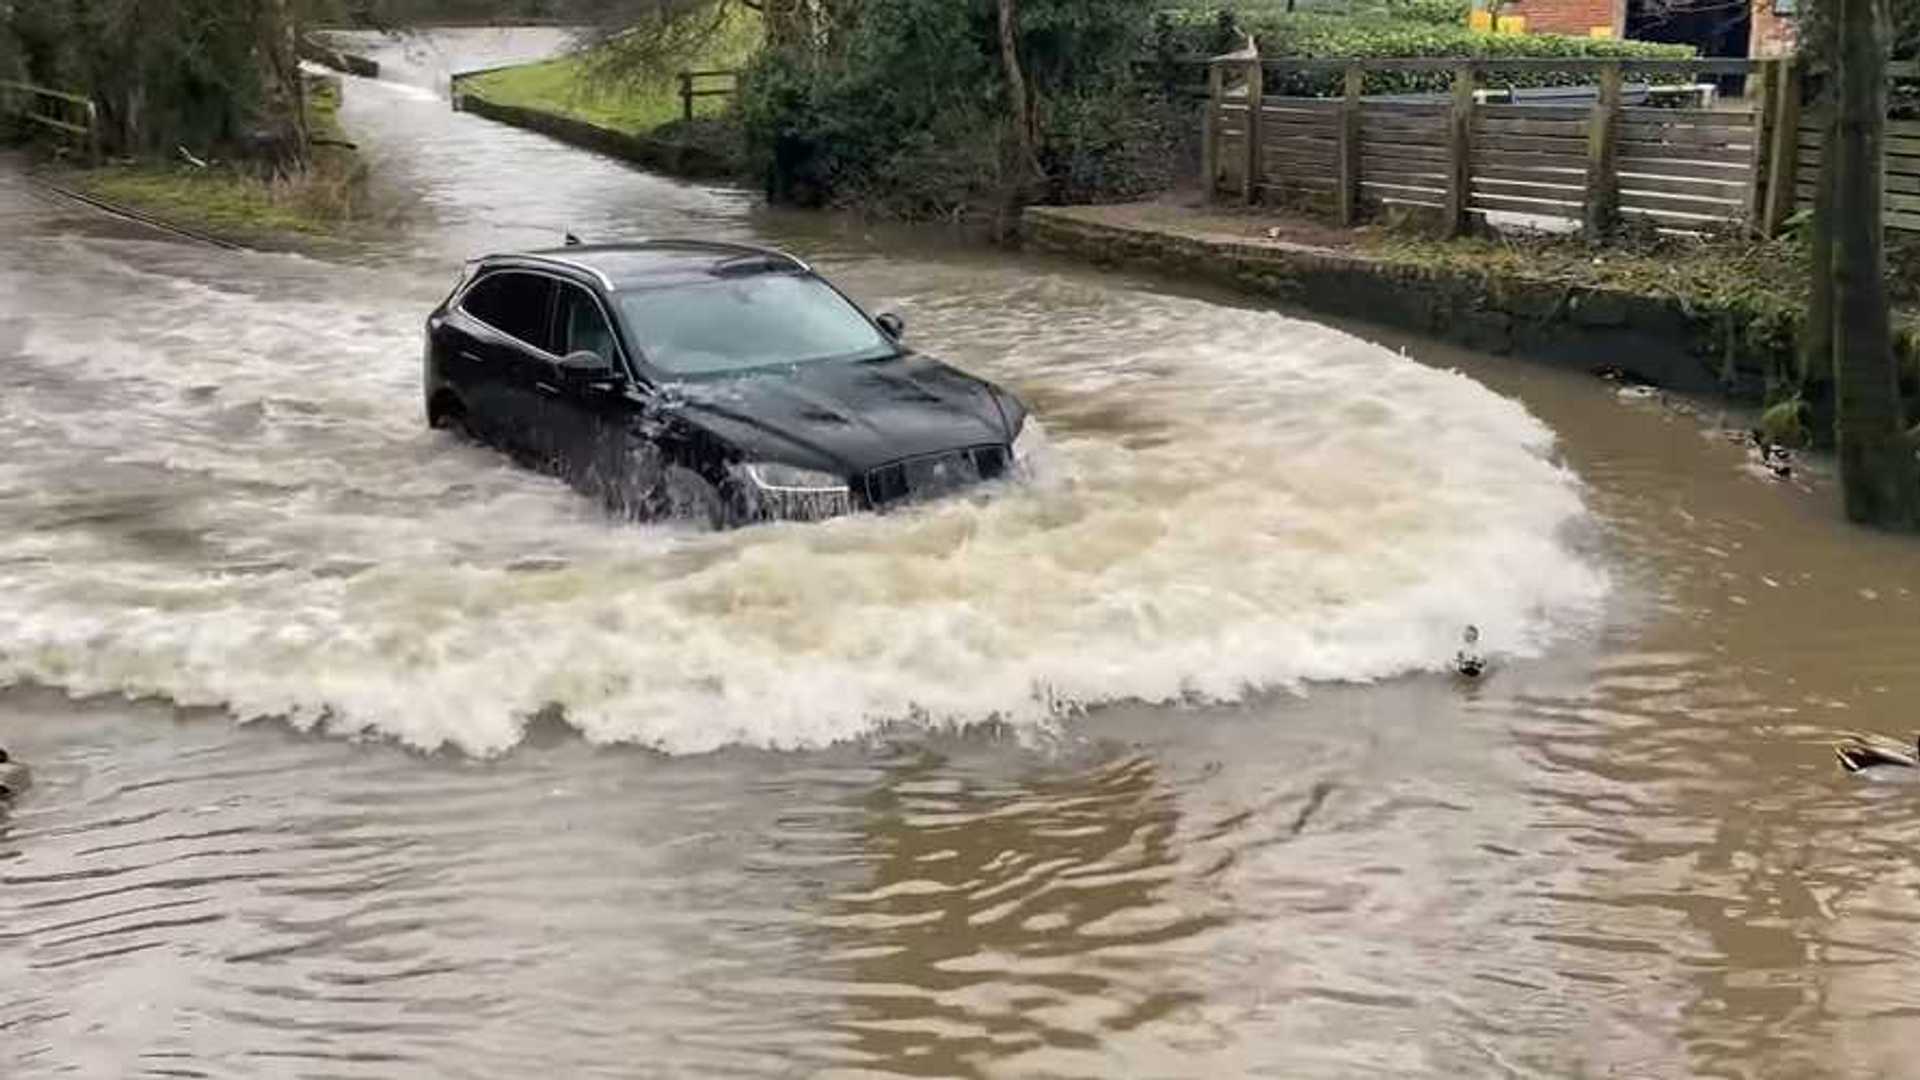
848 417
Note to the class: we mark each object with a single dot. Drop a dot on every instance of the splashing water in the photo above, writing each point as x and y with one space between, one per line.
226 496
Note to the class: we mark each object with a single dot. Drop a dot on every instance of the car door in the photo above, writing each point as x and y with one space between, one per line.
505 353
587 419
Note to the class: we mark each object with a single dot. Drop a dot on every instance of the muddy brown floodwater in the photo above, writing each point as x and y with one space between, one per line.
362 753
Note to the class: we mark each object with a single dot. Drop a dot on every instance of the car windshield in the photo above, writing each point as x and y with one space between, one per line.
751 321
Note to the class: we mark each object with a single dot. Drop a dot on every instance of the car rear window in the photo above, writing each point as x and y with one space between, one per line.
749 321
514 304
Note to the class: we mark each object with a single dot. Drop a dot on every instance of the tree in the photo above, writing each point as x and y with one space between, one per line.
1020 114
1879 474
204 74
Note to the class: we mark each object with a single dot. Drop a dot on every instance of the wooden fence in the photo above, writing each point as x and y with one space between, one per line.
1902 169
71 116
1462 157
692 86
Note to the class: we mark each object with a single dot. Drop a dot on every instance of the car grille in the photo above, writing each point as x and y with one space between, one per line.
933 475
806 505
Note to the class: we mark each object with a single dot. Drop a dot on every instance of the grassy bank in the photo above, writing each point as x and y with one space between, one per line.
235 203
580 86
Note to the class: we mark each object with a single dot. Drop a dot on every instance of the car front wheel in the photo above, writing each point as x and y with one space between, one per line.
686 496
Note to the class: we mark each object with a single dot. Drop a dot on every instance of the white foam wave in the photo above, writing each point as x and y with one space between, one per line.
248 513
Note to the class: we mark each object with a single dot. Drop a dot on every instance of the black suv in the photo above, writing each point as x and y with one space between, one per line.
717 382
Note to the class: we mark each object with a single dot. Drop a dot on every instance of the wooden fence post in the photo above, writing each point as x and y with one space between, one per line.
1210 131
1348 204
1783 157
1459 149
686 95
1256 80
1603 173
1757 169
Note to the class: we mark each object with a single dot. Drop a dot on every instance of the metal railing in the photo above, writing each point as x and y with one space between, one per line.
72 115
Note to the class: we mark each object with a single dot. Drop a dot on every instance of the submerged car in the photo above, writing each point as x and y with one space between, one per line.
722 383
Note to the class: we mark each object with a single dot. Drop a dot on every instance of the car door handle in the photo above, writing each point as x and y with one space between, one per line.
547 388
473 357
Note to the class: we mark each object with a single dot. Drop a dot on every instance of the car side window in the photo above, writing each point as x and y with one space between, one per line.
580 326
514 304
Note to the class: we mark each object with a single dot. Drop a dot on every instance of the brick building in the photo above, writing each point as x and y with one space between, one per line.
1767 29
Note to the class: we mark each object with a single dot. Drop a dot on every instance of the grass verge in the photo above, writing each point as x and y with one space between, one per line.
234 202
577 86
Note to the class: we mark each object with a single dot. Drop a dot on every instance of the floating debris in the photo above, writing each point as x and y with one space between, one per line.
14 777
1468 662
1873 758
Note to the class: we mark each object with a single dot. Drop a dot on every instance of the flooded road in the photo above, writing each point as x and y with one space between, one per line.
1151 769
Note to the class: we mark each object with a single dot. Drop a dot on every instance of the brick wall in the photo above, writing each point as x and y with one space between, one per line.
1576 17
1773 35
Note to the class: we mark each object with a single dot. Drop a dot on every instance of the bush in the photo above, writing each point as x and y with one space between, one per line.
907 112
1326 37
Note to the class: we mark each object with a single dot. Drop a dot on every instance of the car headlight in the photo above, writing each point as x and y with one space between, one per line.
770 476
1028 443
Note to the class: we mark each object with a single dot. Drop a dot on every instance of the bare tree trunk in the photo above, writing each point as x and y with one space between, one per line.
282 106
1878 474
1017 104
785 26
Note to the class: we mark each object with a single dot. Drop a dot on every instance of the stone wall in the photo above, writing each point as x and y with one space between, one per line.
681 159
1655 338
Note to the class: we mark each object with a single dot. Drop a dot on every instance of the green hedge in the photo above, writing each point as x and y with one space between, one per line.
1281 35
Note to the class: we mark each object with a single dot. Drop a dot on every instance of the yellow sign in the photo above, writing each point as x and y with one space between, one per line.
1511 24
1602 32
1481 20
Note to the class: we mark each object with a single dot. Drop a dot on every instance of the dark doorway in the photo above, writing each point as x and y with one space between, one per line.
1718 28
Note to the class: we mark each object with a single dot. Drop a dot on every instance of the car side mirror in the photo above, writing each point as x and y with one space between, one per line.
584 366
894 325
